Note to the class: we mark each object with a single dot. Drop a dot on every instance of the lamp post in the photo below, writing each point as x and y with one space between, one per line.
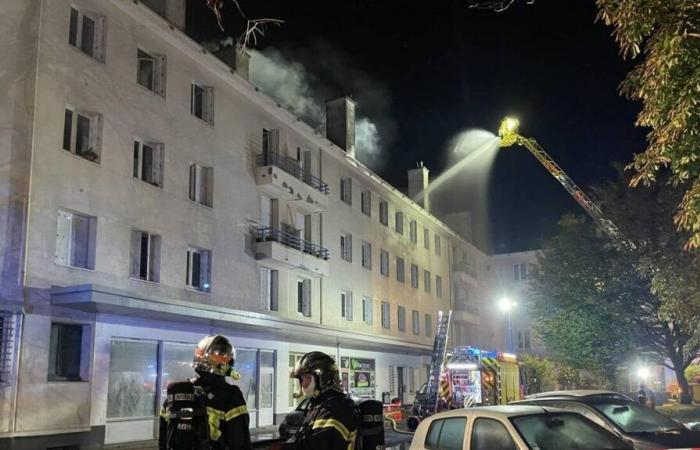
506 305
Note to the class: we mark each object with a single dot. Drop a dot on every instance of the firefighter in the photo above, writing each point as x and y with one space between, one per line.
220 404
331 421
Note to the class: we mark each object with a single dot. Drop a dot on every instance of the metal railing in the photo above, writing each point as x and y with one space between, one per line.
291 240
292 167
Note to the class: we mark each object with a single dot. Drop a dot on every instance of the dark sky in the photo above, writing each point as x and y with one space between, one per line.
448 68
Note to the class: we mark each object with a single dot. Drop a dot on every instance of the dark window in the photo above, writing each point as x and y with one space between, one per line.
67 129
87 43
73 34
65 348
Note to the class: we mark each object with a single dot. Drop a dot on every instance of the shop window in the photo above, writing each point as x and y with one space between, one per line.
176 364
133 374
247 367
294 358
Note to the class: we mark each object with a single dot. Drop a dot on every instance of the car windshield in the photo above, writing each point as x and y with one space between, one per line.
556 431
632 417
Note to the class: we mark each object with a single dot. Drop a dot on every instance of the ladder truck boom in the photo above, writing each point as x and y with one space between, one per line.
508 132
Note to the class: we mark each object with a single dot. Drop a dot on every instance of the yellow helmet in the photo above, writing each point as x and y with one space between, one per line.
214 354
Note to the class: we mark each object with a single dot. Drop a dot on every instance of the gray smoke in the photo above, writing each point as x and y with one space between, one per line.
302 79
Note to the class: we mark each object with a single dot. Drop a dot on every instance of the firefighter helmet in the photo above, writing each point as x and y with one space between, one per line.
214 354
322 367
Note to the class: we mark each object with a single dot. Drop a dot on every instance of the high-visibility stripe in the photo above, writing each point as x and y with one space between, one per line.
164 414
332 423
235 412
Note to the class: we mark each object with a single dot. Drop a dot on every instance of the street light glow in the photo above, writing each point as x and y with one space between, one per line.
506 304
643 373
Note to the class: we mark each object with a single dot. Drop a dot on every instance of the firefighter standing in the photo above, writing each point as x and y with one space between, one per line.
223 409
331 422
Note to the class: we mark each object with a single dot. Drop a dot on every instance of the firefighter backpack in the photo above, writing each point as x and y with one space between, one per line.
186 413
371 431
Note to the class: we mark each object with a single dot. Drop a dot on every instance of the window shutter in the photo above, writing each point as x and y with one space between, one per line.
193 182
63 233
208 186
348 246
98 51
369 311
306 298
160 75
95 133
209 105
135 266
274 141
265 288
157 164
154 267
348 186
204 269
192 97
73 30
348 305
80 241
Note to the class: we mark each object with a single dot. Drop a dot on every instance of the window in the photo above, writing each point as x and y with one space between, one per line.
367 310
198 269
150 71
148 162
386 320
346 247
426 238
489 434
399 270
366 202
401 318
75 240
384 212
524 340
384 262
202 102
399 222
519 272
415 320
346 305
346 190
145 256
82 134
270 141
426 281
87 33
65 352
131 388
413 231
438 248
438 285
7 340
414 276
269 288
447 434
428 325
202 184
367 255
304 297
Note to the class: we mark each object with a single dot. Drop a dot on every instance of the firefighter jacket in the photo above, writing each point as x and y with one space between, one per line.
227 414
331 423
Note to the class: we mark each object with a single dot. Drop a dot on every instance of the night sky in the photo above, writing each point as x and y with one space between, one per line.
445 68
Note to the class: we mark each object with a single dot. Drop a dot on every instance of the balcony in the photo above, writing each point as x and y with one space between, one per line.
284 250
464 271
282 177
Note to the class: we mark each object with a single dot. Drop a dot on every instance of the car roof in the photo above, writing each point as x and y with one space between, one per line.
576 394
499 411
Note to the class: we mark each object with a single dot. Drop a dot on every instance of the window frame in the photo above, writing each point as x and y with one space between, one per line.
367 308
158 162
346 247
207 285
159 63
83 363
76 35
66 256
398 222
366 202
201 192
400 270
384 212
93 152
153 256
384 262
415 283
386 315
367 255
269 289
438 285
207 106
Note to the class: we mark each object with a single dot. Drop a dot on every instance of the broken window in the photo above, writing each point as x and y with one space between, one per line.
148 162
87 33
82 134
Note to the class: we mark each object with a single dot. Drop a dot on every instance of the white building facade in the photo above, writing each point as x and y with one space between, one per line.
151 196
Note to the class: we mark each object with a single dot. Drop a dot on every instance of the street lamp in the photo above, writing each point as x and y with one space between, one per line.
506 305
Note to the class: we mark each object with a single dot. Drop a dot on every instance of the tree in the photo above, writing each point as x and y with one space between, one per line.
667 82
598 301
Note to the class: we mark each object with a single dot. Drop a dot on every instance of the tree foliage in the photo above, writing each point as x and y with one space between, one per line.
666 34
598 303
544 374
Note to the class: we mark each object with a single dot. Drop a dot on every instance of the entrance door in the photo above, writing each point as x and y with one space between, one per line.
401 385
266 386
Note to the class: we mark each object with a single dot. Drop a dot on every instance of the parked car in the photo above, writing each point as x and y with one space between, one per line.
642 427
513 427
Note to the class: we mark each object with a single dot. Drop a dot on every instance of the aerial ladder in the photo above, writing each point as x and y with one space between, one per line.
508 134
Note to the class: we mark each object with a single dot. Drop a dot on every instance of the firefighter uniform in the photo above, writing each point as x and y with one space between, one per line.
331 423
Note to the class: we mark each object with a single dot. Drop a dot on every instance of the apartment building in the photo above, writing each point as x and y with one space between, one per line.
151 195
513 275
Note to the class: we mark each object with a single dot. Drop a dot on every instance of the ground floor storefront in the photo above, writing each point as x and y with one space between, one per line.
107 372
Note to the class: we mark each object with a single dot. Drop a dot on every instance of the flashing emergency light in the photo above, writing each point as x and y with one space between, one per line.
508 131
462 366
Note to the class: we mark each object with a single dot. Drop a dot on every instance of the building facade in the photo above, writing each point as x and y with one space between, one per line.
151 195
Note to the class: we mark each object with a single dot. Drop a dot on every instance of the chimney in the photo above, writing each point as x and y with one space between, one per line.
237 58
340 123
418 185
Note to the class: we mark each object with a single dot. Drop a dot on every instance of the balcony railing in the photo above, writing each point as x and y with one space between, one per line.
292 167
291 240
